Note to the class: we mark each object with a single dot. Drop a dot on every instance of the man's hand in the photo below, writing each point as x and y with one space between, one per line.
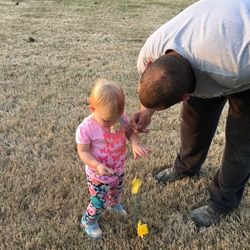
140 120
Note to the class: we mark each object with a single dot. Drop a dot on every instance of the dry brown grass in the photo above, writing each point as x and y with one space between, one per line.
43 85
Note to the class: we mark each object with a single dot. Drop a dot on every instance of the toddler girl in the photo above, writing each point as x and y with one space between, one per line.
101 145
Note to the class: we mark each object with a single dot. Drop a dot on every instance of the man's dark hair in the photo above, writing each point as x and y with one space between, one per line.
164 82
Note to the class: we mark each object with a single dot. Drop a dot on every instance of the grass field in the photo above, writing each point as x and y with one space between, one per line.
50 54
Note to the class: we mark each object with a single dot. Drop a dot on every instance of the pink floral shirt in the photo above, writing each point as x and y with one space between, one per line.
106 145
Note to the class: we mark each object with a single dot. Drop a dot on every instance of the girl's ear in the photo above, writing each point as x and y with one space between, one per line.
91 108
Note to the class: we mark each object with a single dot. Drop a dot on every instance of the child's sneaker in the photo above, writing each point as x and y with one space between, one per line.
119 209
92 229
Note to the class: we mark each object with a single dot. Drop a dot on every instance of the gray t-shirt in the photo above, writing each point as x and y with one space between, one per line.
214 36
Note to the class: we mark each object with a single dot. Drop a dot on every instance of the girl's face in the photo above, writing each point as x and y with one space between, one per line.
102 118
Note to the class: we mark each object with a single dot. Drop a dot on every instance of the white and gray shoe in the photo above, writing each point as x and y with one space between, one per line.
92 229
118 209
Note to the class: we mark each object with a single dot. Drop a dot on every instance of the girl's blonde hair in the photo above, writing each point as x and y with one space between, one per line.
108 96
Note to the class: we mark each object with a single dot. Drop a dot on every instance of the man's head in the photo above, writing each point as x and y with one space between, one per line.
166 82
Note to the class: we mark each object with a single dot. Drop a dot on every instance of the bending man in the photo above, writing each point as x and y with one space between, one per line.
202 57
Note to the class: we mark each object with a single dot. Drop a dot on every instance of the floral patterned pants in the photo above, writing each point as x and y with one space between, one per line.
102 196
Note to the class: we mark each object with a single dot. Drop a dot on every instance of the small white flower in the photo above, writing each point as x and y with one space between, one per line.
114 128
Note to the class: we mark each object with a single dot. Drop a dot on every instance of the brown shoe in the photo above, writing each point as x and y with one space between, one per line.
205 216
169 175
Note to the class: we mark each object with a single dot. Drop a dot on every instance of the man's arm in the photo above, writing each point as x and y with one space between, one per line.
141 119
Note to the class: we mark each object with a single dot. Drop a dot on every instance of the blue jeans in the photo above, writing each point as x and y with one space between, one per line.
199 120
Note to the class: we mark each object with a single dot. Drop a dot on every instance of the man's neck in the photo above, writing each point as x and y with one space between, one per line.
174 53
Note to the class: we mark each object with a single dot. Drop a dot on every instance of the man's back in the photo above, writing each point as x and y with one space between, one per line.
214 36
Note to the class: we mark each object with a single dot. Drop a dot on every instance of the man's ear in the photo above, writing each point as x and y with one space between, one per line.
185 97
91 108
150 61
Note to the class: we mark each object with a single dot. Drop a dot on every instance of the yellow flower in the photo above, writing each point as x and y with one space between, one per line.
142 229
136 183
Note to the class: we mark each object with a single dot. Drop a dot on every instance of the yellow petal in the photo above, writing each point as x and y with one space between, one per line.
136 183
142 229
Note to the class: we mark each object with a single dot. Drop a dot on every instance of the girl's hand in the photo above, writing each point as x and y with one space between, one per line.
104 170
139 151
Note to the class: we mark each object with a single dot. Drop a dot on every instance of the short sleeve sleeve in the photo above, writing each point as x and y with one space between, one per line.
82 135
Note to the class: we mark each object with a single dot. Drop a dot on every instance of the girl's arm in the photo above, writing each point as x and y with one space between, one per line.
85 155
137 148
